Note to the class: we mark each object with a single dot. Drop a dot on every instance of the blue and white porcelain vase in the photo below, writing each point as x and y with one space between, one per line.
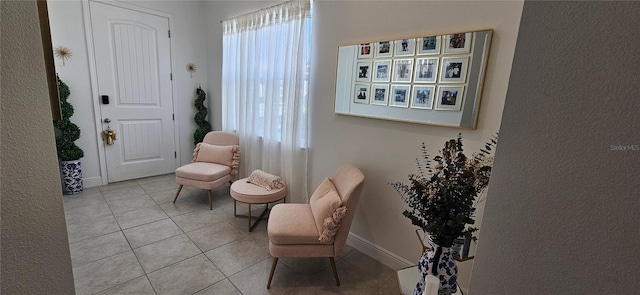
71 177
438 261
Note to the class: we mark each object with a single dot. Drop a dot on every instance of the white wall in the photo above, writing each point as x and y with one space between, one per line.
189 31
67 29
384 150
562 216
34 248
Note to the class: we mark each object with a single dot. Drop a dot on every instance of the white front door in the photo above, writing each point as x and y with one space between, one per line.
133 66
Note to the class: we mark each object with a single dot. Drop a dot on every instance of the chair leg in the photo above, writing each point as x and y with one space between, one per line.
210 203
335 271
179 189
273 268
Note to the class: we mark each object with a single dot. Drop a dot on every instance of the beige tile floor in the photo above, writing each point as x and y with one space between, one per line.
129 238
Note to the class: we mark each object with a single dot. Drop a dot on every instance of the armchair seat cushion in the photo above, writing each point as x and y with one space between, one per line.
203 171
292 224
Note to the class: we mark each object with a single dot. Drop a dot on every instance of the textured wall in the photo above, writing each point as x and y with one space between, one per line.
34 250
562 212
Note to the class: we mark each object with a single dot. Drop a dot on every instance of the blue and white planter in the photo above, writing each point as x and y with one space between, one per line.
71 174
438 261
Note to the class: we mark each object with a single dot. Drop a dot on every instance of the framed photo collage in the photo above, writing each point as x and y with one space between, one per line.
419 73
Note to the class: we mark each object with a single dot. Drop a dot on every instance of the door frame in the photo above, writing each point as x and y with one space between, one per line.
93 77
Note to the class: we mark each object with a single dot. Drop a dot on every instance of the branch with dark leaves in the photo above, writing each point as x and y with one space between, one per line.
442 199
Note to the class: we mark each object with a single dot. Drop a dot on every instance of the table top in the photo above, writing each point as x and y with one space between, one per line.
246 192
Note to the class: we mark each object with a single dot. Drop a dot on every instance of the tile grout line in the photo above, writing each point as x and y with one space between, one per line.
205 255
223 274
114 286
138 259
71 243
256 238
125 237
214 265
141 223
183 233
130 247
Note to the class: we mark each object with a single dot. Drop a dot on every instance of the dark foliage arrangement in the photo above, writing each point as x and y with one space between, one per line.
200 118
441 198
67 132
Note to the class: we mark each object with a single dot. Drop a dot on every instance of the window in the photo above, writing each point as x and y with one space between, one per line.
265 87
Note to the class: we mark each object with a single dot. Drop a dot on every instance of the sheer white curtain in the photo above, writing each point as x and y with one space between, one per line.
265 82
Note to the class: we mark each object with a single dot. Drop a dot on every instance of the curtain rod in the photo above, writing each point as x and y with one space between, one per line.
266 8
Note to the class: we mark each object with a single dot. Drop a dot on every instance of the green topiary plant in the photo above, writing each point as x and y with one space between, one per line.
200 118
67 132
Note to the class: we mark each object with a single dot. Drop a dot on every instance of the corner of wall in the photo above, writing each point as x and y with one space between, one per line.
378 253
35 249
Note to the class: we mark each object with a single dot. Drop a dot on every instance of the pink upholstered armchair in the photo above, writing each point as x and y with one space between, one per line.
215 162
320 228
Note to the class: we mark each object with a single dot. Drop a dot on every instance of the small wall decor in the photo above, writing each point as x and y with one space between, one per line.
380 94
429 79
405 47
384 49
382 71
422 97
429 45
362 94
365 50
364 71
426 70
63 53
400 95
449 98
454 70
191 68
402 70
457 43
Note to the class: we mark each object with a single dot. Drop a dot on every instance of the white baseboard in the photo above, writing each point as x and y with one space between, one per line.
384 256
92 181
378 253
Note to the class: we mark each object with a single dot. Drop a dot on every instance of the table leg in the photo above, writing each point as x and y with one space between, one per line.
250 217
234 209
252 224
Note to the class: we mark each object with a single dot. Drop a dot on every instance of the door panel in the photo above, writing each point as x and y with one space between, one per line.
136 60
133 65
146 144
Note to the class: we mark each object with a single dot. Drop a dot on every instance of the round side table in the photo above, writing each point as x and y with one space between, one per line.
249 193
